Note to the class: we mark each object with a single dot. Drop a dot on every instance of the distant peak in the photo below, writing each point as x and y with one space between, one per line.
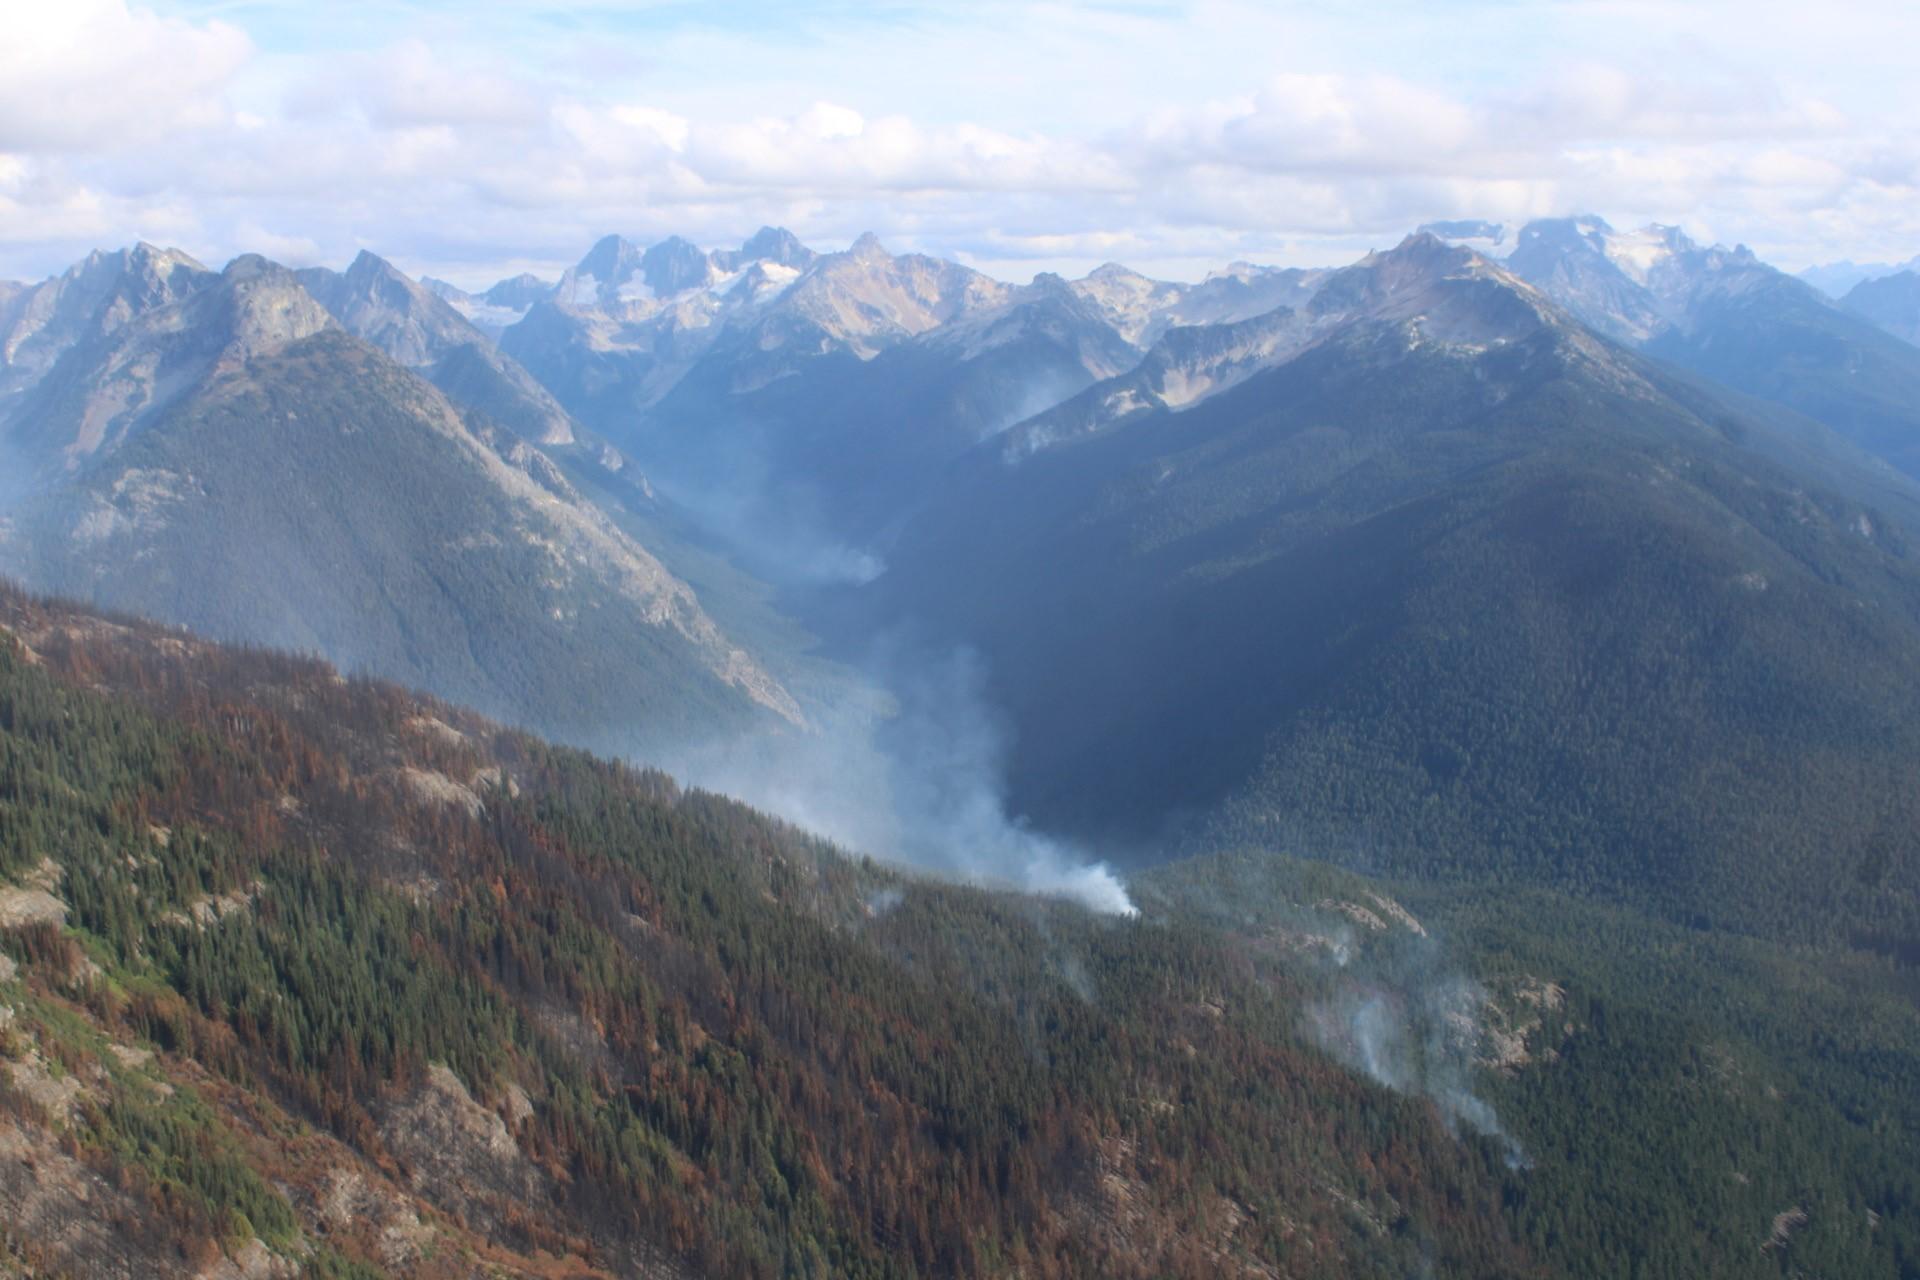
1426 246
1669 235
611 258
367 262
1051 284
520 291
868 247
775 244
1467 229
674 264
151 257
1242 272
251 266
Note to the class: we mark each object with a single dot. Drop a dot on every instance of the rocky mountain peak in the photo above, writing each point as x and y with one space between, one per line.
1413 267
776 244
612 259
372 278
376 301
249 266
868 249
153 259
518 292
266 307
674 265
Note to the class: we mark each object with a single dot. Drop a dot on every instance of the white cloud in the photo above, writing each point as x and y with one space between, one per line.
1052 135
96 75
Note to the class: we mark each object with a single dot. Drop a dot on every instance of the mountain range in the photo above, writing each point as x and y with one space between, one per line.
1484 680
216 449
1116 490
1892 302
1837 279
1446 583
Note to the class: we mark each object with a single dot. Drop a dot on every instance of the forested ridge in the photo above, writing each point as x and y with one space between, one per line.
1482 617
313 974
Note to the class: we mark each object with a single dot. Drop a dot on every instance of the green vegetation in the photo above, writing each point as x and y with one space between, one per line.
1783 342
1690 1087
745 1050
324 500
1506 618
731 1055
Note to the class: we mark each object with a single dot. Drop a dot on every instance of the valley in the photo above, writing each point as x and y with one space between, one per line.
778 762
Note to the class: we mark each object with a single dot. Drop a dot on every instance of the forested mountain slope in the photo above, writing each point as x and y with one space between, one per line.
1727 315
382 985
1460 600
1892 302
235 462
313 975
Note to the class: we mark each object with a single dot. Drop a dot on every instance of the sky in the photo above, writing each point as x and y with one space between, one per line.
471 141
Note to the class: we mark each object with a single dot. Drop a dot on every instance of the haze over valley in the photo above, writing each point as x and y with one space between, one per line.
1382 739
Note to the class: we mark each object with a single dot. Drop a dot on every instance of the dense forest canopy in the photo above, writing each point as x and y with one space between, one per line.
315 967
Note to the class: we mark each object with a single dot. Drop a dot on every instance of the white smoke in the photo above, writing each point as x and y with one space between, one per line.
912 776
1410 1024
1388 1002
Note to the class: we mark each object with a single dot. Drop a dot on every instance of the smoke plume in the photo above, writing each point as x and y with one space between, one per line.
1401 1016
910 770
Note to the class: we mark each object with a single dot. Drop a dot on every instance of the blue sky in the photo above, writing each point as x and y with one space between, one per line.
471 140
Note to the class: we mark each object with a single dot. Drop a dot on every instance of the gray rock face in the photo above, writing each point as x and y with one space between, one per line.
1141 309
152 337
1443 294
418 327
39 323
1726 315
235 461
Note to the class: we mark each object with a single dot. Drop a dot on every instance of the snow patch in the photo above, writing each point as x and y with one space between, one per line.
1637 253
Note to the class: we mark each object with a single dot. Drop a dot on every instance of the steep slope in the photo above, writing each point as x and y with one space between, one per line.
492 311
378 984
1725 314
1190 363
414 326
1578 263
788 425
304 975
1892 302
1141 309
625 324
38 323
1459 590
298 488
138 356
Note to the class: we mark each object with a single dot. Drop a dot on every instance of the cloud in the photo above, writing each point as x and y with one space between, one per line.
96 75
1019 136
